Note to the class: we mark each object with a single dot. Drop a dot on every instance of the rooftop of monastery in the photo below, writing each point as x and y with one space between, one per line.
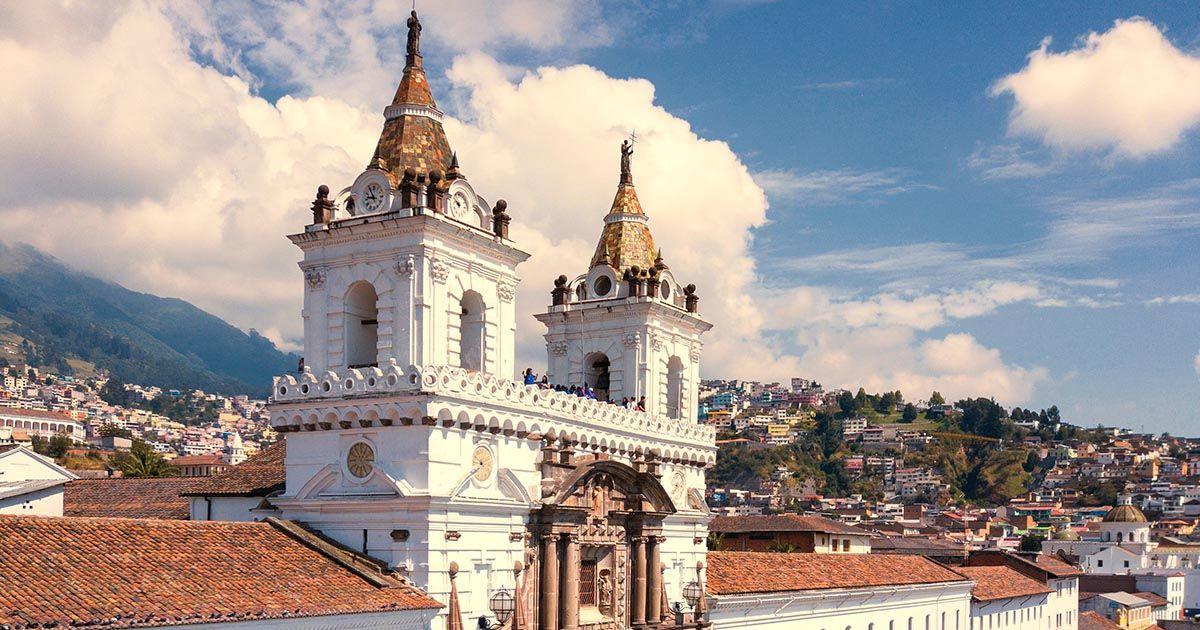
128 573
1000 582
125 497
258 476
782 523
736 572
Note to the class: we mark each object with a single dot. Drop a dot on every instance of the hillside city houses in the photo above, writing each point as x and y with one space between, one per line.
400 477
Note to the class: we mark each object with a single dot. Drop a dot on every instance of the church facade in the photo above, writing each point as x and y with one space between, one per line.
408 439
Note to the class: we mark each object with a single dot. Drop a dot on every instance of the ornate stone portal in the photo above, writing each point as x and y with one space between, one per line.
600 532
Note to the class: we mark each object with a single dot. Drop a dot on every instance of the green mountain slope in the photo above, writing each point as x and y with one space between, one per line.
54 316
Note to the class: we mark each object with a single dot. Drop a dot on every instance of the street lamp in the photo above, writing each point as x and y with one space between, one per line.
502 604
692 593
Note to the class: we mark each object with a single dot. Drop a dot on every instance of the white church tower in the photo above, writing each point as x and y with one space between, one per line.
627 328
408 440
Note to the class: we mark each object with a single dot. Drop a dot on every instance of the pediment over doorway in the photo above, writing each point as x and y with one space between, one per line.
603 486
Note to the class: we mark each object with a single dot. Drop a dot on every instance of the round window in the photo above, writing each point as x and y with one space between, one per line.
360 460
665 290
602 286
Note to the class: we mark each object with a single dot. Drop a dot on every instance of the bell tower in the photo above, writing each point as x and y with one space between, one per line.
408 264
627 328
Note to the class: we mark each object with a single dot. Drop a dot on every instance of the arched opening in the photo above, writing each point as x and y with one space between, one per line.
362 325
471 335
581 292
675 387
595 374
1120 537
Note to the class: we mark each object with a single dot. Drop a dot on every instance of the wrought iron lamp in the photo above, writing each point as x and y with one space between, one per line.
502 604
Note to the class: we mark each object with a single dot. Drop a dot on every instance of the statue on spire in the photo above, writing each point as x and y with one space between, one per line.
626 157
414 35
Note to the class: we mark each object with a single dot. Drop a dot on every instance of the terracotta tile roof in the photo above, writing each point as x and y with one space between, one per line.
194 460
1001 582
126 497
36 413
1154 598
1090 620
122 573
733 572
782 523
258 476
1056 566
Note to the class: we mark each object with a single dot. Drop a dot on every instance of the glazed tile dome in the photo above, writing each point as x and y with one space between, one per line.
1125 514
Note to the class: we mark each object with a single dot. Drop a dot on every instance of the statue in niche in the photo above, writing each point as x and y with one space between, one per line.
601 492
604 592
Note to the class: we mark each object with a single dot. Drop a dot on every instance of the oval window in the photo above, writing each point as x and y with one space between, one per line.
602 286
665 290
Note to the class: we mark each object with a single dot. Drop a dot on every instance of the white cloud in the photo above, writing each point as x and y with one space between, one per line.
876 341
1009 161
347 49
1128 89
835 186
190 180
1186 298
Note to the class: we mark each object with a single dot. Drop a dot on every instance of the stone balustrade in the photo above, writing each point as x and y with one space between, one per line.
486 388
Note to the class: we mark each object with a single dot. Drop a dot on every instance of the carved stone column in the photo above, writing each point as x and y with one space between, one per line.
638 605
569 578
654 585
549 581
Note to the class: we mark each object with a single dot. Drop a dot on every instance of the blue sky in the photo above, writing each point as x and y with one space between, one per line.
984 200
903 89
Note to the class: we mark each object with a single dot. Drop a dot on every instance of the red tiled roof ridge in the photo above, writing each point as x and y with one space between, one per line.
203 457
259 475
1001 582
131 497
742 572
143 572
783 522
36 413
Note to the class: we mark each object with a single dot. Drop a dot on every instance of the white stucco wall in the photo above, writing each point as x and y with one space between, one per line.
1015 613
45 502
945 606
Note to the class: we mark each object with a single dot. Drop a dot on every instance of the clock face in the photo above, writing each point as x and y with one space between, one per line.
372 197
482 462
459 206
360 461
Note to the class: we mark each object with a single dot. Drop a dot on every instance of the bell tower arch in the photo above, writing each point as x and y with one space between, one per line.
627 328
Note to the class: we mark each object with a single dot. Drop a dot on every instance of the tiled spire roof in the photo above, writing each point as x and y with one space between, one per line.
626 240
413 136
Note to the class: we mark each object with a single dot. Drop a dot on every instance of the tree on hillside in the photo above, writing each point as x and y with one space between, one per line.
861 400
936 399
828 433
112 430
999 477
56 447
982 416
114 393
1031 542
143 461
910 413
845 401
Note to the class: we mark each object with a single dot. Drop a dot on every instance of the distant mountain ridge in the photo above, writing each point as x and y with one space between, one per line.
61 316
